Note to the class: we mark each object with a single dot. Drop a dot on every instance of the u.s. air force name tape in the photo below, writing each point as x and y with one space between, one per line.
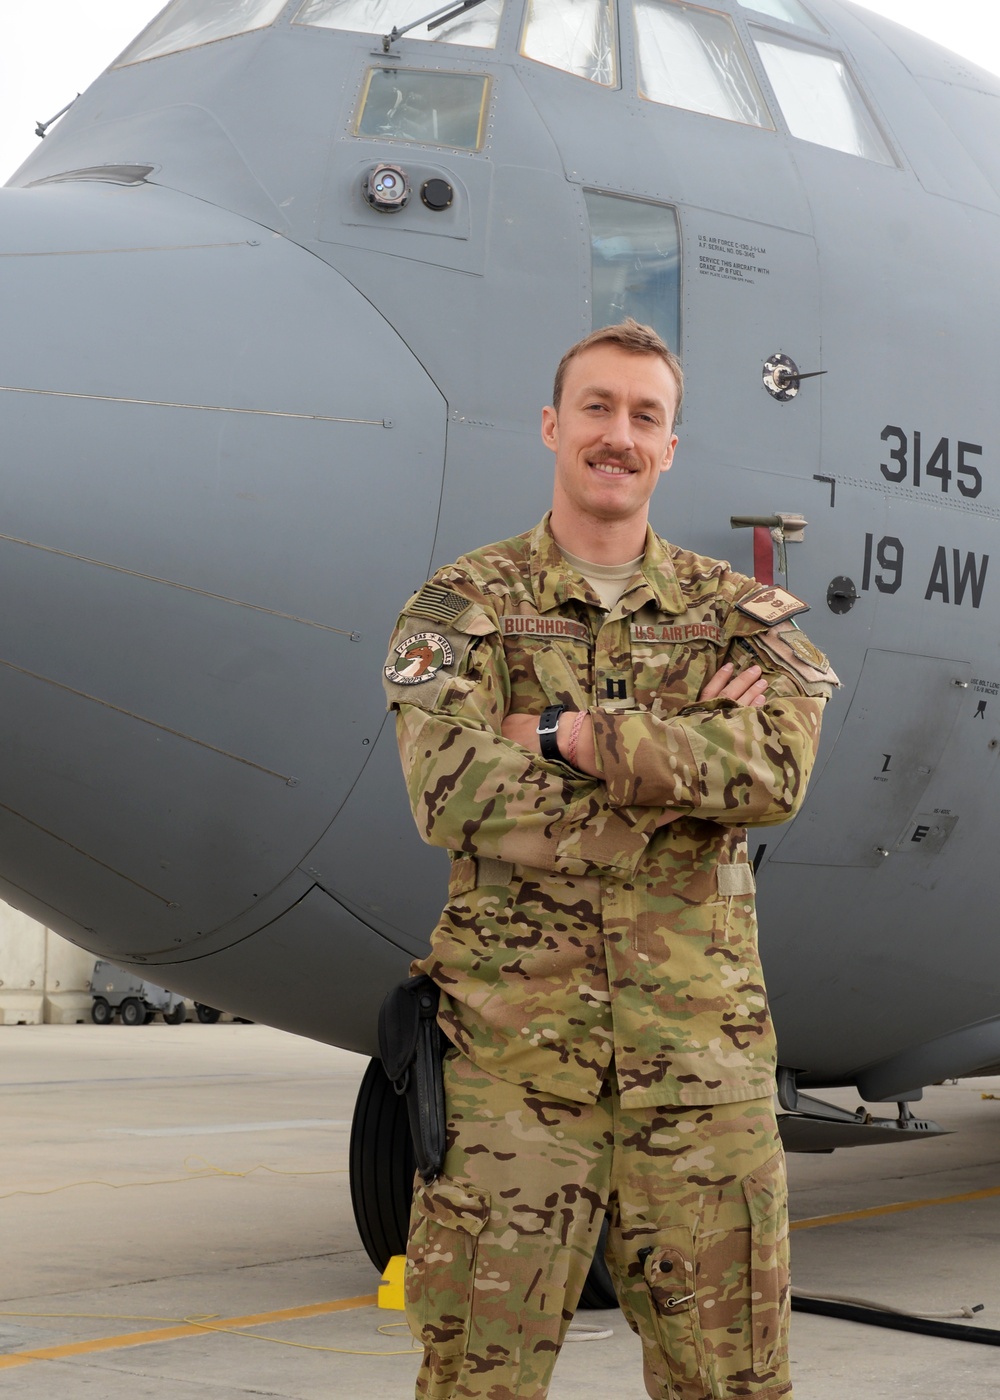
533 625
676 632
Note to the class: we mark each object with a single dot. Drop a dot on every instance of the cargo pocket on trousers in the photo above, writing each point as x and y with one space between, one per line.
669 1271
766 1192
440 1275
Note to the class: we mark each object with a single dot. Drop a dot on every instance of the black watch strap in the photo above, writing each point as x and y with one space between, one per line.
548 727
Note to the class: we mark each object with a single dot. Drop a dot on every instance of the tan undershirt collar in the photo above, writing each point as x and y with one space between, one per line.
609 581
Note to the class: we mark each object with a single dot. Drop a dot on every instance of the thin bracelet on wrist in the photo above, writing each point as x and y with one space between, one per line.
574 737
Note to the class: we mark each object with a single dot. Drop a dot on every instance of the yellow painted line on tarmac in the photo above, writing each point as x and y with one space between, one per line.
813 1222
173 1334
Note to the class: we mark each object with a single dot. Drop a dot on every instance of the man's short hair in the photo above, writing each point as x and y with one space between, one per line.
628 335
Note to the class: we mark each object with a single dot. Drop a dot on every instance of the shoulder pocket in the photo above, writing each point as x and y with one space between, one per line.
426 657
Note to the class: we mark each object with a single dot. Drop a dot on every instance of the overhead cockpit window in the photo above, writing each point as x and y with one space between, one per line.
435 109
478 28
187 23
819 98
635 264
694 58
791 11
576 35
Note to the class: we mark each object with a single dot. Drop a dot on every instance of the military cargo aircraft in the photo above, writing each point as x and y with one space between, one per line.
282 294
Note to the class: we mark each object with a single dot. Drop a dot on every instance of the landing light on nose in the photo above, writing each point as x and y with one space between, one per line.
387 188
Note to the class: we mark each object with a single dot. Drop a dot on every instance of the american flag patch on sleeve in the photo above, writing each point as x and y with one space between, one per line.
437 604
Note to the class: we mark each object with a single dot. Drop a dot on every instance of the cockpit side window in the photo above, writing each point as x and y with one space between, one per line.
433 109
819 98
188 23
478 28
692 57
635 264
577 36
791 11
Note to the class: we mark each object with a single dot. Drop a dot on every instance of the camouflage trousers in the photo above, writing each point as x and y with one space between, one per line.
501 1243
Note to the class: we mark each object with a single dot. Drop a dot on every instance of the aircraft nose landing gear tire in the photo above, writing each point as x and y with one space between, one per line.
382 1169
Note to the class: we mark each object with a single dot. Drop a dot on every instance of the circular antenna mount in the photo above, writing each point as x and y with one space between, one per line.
781 377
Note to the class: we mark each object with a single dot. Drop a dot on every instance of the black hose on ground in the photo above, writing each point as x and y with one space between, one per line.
875 1317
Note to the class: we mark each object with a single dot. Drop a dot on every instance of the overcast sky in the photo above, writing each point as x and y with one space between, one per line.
52 49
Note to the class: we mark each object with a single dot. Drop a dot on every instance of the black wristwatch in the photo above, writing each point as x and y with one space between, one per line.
548 727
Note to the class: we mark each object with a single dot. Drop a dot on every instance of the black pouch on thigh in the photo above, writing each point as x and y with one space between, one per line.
411 1047
445 1224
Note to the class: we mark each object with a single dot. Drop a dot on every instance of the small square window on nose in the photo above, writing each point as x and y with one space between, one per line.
433 109
635 264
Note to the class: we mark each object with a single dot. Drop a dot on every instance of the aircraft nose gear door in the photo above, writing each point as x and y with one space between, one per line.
899 723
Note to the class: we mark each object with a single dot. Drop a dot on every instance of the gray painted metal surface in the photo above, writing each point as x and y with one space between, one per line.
245 413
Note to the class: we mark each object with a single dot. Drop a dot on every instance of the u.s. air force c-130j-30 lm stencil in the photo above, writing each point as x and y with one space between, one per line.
282 294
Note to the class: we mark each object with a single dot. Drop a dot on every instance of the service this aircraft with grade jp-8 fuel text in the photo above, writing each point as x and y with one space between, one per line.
283 292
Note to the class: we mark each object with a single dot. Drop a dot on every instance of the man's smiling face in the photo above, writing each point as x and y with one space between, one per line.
612 433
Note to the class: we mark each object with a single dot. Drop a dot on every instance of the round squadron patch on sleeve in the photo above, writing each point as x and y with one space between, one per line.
419 658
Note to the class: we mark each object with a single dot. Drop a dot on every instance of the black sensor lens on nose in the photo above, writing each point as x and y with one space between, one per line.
437 194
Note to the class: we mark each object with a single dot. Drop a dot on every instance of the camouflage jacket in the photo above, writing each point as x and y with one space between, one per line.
575 930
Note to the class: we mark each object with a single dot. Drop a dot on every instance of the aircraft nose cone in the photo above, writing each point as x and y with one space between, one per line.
220 477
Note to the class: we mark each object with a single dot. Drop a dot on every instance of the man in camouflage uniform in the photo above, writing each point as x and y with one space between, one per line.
597 956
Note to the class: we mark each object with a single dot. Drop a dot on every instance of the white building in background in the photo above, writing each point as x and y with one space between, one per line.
42 976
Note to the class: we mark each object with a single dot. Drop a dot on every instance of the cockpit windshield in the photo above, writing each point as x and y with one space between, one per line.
819 98
186 23
692 57
478 28
791 11
577 36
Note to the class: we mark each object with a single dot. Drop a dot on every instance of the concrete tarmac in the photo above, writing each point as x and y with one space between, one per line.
175 1220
